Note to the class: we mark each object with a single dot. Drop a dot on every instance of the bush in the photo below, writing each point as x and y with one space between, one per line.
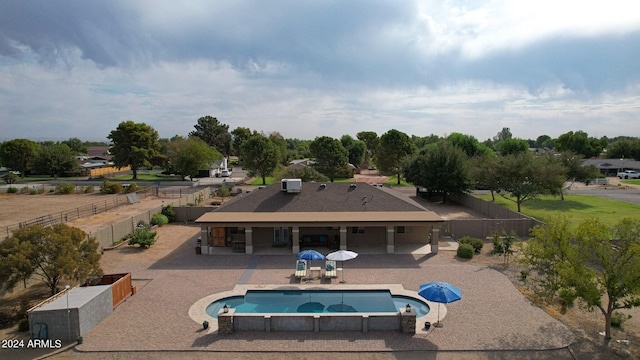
40 190
169 213
143 237
223 191
618 318
32 191
568 296
65 188
133 187
23 325
475 242
465 251
159 219
215 203
110 188
88 189
12 190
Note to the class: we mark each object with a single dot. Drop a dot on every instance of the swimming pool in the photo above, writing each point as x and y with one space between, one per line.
317 301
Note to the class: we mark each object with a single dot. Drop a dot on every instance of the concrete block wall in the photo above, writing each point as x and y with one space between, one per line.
95 311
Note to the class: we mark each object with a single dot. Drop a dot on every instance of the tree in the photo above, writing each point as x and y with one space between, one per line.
544 141
355 148
10 178
136 145
76 146
51 253
624 149
187 156
575 170
441 168
214 133
372 141
512 146
484 173
260 156
330 156
597 263
281 144
579 143
520 177
395 146
18 154
238 136
56 160
469 144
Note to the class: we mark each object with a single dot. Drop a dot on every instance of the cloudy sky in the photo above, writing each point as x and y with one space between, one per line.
77 68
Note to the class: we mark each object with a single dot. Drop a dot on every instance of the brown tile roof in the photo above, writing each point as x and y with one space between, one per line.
314 197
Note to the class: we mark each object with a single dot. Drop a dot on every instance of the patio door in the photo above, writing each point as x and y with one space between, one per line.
280 236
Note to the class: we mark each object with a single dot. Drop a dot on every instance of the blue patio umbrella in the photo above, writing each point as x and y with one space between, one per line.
440 292
309 255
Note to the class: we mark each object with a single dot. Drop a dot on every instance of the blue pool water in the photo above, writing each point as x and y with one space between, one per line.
317 301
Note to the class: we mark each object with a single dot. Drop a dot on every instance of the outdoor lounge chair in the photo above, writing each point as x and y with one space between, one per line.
330 269
301 269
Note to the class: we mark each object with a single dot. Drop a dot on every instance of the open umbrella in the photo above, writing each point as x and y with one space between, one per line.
440 292
342 255
309 255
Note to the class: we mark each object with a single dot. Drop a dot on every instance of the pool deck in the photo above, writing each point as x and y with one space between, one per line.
492 315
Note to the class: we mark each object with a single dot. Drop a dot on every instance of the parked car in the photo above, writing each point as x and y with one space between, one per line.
629 174
225 173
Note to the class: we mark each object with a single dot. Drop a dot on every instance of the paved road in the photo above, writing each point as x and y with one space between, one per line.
627 195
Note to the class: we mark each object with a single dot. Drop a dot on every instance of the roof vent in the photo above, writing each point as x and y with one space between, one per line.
322 186
353 185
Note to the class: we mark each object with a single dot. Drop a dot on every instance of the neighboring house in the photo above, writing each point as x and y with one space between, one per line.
98 151
332 215
611 167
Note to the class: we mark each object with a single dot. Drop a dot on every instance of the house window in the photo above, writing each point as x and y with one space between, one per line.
400 230
357 230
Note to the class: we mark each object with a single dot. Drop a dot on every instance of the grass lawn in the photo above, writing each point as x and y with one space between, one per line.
578 207
258 181
630 182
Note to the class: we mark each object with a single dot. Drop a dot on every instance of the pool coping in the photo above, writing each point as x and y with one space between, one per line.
197 311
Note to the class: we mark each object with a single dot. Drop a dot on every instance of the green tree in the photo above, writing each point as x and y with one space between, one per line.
355 148
395 146
544 141
136 145
484 173
441 168
579 143
512 146
330 156
260 156
187 156
372 141
214 133
521 177
238 136
281 144
469 144
51 253
18 154
624 149
575 170
422 142
599 263
76 145
10 178
55 160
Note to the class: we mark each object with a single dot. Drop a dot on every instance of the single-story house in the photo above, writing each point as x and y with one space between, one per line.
295 215
611 167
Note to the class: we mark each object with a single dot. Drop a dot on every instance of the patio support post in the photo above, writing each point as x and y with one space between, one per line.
248 237
435 238
204 240
343 238
390 239
295 242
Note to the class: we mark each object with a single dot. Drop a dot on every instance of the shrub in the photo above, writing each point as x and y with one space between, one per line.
12 190
24 190
223 191
65 188
41 190
169 213
88 189
143 237
32 191
465 251
110 188
23 325
133 187
618 318
568 296
159 219
215 203
475 242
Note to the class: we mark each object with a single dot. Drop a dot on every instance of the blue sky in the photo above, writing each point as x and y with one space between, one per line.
78 68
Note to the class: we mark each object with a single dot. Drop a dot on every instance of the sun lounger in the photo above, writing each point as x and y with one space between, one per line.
301 269
330 270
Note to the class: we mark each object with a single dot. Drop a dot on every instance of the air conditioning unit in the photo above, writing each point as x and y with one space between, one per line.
291 185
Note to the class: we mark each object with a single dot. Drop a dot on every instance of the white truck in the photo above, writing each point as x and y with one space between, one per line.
629 174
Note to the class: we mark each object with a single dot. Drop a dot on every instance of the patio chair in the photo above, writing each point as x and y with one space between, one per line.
330 269
301 269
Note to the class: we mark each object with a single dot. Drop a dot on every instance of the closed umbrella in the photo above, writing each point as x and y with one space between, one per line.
440 292
342 255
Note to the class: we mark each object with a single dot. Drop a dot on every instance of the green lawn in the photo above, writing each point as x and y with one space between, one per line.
578 207
258 181
631 182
